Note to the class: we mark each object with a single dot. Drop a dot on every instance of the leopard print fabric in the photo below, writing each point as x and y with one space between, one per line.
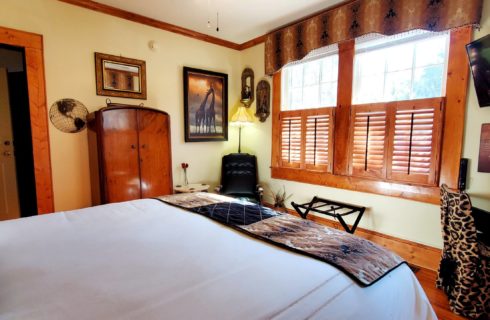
464 271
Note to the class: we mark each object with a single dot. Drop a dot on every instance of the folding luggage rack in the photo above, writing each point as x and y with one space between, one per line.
335 209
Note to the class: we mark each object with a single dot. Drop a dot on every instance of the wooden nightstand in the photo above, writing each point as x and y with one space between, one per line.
193 187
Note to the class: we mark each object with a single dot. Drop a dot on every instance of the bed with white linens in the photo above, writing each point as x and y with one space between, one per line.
144 259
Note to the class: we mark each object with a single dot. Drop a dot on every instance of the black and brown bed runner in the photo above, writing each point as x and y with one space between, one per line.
362 260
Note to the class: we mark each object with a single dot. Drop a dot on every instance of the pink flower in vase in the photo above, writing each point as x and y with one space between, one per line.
184 166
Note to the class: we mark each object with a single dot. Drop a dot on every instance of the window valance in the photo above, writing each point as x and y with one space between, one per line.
362 17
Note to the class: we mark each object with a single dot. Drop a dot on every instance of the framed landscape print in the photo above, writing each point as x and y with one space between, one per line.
120 77
205 105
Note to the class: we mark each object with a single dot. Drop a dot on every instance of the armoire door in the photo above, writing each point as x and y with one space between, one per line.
155 158
120 155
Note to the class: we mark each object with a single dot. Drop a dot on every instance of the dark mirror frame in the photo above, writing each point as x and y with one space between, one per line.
247 95
99 75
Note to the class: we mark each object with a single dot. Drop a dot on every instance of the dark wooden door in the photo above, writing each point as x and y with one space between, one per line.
155 153
120 155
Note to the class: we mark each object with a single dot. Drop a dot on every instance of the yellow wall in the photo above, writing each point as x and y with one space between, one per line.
411 220
478 183
72 35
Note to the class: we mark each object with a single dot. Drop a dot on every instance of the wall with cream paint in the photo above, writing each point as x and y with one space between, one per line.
71 36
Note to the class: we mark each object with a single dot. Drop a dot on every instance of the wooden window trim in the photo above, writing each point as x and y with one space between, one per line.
451 144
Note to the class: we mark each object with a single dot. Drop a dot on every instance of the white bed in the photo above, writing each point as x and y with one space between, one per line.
147 260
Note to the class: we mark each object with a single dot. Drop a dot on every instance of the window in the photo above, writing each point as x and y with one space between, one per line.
402 67
397 138
368 154
308 96
306 139
397 141
395 125
311 83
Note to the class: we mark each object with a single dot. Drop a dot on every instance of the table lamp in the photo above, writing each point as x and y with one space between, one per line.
240 119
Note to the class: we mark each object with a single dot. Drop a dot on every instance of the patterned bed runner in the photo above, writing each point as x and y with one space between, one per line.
362 260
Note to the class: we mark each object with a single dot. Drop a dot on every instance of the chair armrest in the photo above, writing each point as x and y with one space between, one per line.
260 190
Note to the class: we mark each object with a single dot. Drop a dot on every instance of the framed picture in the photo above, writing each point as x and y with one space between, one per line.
479 56
205 105
120 77
484 156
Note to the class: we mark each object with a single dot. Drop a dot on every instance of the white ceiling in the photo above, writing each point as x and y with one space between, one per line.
239 20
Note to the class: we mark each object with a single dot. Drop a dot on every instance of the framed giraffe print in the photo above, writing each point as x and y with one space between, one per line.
205 105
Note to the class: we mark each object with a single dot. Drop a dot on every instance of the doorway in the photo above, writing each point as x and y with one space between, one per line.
17 180
32 45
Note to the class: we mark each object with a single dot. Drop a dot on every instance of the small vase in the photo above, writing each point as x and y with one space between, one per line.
186 182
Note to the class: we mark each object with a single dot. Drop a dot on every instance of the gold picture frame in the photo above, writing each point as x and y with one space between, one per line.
120 77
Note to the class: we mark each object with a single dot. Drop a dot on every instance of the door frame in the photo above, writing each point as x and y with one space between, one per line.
34 56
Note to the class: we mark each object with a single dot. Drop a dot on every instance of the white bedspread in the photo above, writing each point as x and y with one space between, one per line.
146 260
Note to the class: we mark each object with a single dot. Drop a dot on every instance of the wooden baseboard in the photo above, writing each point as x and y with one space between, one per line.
414 253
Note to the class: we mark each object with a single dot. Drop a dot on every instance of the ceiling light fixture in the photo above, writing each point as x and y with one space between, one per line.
217 21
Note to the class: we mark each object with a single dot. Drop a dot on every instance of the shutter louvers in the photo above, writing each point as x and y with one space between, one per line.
368 142
317 142
415 146
412 146
291 141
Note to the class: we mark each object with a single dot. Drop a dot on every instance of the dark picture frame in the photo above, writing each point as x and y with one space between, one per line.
120 77
484 155
205 105
479 58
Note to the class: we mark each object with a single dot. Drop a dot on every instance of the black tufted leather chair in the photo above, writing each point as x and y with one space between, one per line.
239 177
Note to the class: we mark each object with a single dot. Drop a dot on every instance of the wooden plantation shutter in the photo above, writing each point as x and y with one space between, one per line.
318 153
291 141
306 139
368 140
416 132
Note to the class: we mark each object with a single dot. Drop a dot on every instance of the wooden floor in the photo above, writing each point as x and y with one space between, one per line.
437 298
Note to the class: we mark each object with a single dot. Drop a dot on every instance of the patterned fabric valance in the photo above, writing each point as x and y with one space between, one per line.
362 17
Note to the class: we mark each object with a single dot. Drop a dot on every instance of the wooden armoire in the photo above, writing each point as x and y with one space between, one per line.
130 153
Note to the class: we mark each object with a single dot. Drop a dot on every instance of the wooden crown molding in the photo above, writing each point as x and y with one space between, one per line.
103 8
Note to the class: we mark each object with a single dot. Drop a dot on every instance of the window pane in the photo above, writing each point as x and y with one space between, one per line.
328 94
427 82
370 88
311 73
402 67
296 76
311 96
399 58
330 68
430 52
397 86
296 98
311 84
371 63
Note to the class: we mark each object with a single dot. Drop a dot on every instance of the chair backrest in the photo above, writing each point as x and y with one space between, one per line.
239 175
460 272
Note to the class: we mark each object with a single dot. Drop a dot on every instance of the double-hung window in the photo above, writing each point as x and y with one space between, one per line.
308 101
396 117
370 114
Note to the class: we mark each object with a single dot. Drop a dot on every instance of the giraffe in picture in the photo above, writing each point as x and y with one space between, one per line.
210 113
200 115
